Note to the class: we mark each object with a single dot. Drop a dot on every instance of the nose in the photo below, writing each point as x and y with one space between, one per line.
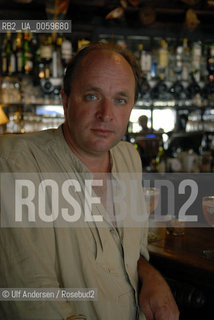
105 111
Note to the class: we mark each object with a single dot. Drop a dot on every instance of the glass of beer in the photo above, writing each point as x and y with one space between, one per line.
151 197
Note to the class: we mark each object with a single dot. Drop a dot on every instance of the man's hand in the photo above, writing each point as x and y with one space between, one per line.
155 299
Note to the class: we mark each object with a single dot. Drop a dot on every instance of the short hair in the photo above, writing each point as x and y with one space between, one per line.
143 119
78 57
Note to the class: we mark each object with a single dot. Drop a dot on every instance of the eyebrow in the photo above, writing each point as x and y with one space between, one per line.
120 93
93 89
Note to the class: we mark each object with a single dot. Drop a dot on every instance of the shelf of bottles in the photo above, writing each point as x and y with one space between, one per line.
177 74
38 58
32 67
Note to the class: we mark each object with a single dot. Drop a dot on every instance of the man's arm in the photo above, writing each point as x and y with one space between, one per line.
155 298
28 261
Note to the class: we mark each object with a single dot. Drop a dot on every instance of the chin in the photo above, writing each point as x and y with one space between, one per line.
103 145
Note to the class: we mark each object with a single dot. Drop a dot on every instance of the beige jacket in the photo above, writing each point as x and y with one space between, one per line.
96 256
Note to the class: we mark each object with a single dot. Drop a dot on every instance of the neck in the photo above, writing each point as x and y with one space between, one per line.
99 165
96 164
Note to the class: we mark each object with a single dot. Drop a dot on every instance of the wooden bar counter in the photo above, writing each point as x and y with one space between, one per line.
189 271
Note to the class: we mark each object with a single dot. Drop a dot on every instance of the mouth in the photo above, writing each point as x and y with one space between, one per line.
102 132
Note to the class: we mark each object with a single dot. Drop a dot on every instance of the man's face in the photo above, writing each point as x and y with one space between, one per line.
100 102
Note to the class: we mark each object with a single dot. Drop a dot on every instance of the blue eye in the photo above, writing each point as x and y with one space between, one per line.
91 97
121 101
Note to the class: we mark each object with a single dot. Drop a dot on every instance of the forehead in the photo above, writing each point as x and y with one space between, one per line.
104 59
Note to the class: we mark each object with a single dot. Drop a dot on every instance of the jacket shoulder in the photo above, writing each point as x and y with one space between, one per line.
127 157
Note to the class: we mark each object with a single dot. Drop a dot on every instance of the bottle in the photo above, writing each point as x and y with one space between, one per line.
171 64
4 57
177 88
57 68
13 58
161 160
154 65
27 62
196 60
145 89
146 63
139 53
178 62
185 61
153 166
208 89
38 65
8 54
163 60
35 48
66 51
46 56
193 88
210 63
18 52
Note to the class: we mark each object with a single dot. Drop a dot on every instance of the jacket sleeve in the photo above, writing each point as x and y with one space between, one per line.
28 260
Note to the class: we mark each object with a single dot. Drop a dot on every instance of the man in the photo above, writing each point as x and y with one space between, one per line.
148 142
143 122
100 89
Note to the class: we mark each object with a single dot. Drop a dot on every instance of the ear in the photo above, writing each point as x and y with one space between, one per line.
64 100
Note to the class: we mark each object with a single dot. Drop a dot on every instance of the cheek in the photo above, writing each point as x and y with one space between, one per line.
73 113
80 118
